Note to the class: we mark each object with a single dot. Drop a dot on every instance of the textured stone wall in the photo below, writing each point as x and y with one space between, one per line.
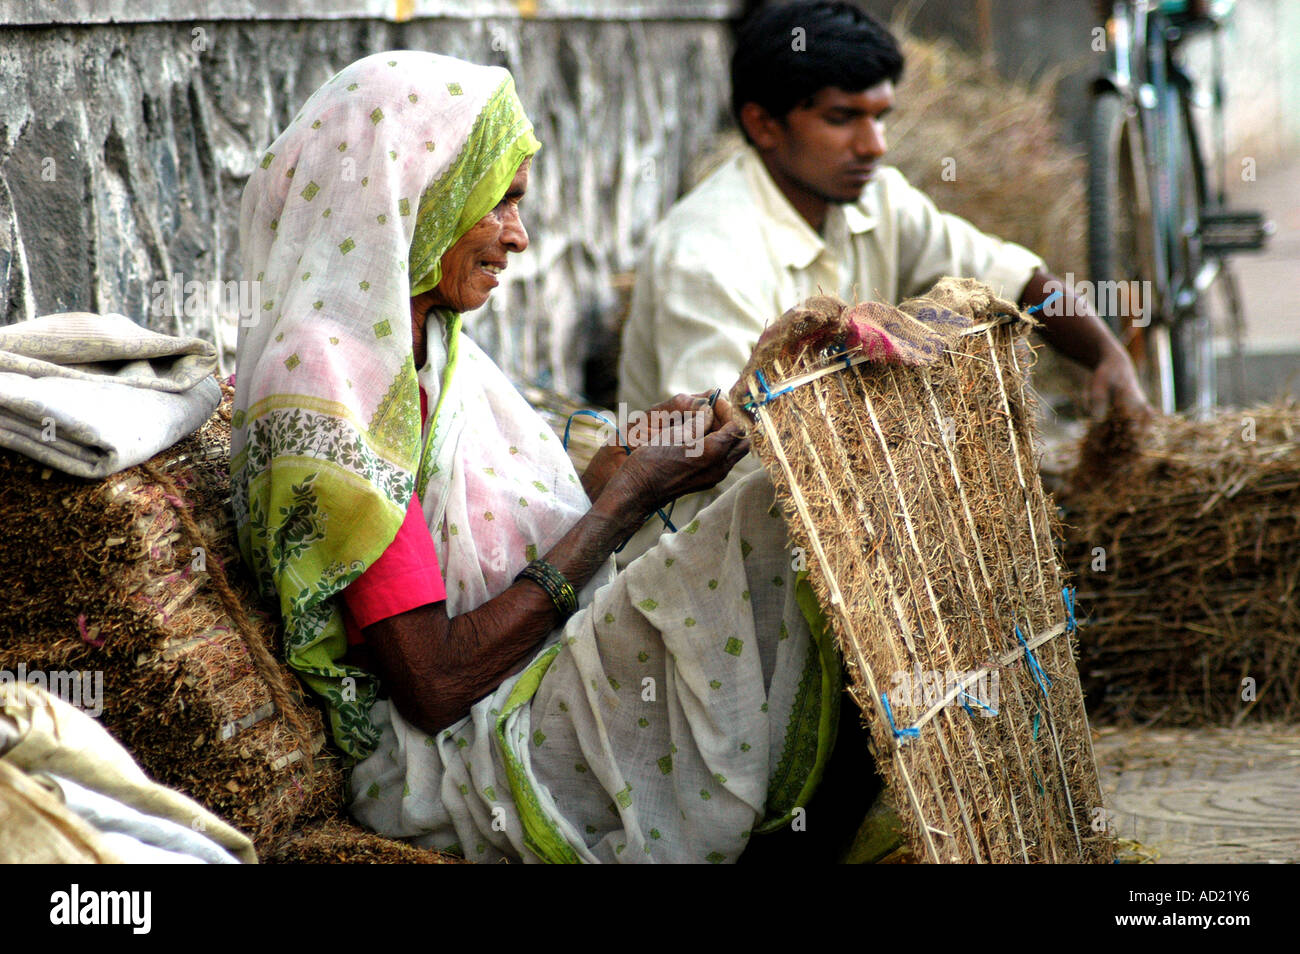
124 148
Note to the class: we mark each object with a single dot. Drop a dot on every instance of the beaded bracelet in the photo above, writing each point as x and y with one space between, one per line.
553 582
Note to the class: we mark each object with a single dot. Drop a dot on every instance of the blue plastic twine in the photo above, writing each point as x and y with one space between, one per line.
904 734
768 394
1040 677
585 413
1045 302
668 524
979 702
845 357
1067 594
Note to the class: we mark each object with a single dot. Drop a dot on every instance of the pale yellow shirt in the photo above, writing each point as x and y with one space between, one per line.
733 255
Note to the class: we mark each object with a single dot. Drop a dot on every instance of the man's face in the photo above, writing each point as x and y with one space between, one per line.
829 148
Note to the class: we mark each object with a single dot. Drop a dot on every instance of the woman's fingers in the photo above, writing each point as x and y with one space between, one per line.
732 443
680 446
722 412
670 470
682 419
603 465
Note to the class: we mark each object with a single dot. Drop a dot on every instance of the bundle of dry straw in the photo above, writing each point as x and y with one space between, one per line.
901 443
138 578
336 841
1186 539
982 170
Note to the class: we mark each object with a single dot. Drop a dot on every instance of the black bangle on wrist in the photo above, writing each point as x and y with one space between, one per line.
553 582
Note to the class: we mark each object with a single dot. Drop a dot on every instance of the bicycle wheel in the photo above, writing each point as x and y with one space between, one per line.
1120 255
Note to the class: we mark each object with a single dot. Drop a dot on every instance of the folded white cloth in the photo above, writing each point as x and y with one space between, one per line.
139 838
52 743
94 394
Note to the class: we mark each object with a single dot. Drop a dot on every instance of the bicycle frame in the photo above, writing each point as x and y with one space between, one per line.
1168 174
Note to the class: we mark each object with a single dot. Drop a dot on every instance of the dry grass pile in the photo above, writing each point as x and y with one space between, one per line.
138 576
1186 540
1003 143
337 841
903 457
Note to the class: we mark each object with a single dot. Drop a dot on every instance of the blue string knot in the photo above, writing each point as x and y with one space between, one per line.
768 394
1040 677
903 734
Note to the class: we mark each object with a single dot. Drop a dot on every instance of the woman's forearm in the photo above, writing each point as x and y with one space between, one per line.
436 667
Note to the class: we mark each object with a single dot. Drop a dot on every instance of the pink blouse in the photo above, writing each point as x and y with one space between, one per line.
405 576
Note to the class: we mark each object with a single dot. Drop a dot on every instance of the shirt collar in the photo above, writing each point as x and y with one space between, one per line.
793 240
861 216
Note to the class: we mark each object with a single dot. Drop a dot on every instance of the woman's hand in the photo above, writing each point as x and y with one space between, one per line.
436 667
604 464
682 419
684 454
654 475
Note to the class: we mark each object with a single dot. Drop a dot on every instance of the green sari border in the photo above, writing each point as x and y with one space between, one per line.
802 735
541 835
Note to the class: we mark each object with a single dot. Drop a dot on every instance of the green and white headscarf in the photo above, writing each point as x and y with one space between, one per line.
347 217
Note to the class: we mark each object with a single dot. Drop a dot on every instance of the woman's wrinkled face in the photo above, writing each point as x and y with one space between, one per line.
470 267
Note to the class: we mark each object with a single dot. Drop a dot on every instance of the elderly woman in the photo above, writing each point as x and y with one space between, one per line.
443 573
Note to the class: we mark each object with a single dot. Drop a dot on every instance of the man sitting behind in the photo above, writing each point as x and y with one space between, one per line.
806 207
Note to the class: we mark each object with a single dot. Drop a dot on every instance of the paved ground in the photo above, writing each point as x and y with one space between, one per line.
1205 795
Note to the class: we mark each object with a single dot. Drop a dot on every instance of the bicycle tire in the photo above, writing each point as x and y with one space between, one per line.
1119 236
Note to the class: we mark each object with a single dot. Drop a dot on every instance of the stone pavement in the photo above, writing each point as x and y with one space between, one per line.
1205 795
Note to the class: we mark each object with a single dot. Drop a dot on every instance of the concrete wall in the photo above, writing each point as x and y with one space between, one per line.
124 145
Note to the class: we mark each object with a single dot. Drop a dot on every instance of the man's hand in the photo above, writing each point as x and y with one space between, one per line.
1114 383
1078 333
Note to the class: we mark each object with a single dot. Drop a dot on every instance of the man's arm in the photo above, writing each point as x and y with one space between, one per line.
1079 334
933 243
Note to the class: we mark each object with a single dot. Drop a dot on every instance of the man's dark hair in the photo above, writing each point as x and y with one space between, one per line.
786 53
